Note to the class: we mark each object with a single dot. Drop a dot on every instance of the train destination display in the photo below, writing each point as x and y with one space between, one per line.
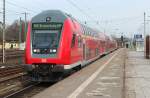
46 26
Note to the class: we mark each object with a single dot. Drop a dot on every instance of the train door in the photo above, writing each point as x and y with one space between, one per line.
84 49
84 52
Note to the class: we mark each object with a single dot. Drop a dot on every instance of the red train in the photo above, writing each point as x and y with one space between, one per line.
57 43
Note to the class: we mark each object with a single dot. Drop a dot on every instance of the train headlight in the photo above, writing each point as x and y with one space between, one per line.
34 50
54 50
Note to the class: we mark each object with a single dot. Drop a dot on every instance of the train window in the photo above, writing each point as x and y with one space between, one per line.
83 30
79 41
96 52
86 31
73 40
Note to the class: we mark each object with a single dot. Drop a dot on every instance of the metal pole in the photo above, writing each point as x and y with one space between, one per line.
25 28
144 32
3 31
20 38
20 31
1 26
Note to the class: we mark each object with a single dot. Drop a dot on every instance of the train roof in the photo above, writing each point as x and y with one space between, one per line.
53 15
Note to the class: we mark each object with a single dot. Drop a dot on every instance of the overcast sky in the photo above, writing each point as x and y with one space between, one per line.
112 16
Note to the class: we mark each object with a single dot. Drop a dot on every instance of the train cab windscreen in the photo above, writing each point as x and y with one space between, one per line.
45 37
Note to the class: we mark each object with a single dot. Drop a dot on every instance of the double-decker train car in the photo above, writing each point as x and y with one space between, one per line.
57 43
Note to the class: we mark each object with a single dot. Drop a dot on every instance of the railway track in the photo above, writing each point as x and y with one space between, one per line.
13 79
12 54
8 71
18 87
28 91
11 51
14 94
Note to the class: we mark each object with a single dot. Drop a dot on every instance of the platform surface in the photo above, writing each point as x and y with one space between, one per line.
137 75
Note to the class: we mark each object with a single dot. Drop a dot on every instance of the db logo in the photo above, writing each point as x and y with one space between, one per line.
44 60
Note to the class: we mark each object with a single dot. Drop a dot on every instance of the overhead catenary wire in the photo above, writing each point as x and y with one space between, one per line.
34 5
81 11
12 12
85 5
117 20
16 5
124 20
92 19
24 9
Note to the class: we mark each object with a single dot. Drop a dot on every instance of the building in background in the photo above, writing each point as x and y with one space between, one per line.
10 45
138 42
124 42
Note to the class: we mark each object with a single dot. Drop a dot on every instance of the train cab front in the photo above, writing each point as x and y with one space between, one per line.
44 46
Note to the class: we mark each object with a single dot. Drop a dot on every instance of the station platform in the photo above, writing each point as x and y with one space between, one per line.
103 78
137 75
121 74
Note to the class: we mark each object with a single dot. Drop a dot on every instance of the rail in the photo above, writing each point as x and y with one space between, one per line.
8 71
12 54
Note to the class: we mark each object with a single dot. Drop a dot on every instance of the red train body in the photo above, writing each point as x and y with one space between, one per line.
56 43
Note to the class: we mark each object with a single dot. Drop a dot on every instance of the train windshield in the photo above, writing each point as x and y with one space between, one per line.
46 39
46 35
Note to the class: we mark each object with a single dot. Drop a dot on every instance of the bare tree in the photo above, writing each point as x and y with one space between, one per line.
12 31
